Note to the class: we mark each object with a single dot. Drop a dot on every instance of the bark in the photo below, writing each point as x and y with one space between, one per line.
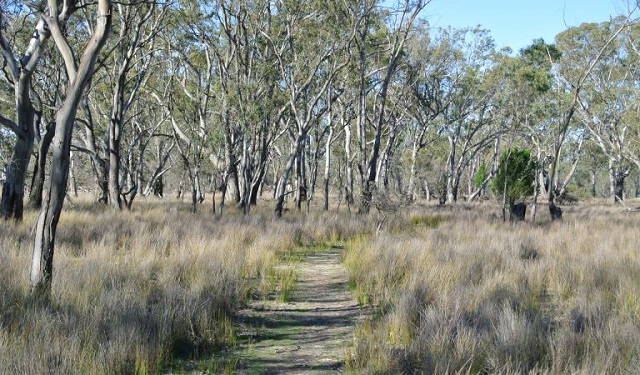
46 226
301 178
11 203
427 190
327 169
37 184
385 160
114 165
99 164
349 167
537 184
73 185
231 160
617 176
559 137
451 158
21 69
594 180
284 177
156 182
411 195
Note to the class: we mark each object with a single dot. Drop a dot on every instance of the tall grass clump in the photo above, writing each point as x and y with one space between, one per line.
136 292
477 295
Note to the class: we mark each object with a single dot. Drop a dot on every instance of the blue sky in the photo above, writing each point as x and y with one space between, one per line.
515 23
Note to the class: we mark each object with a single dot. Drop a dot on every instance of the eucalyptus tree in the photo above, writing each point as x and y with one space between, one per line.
432 78
123 69
607 100
147 128
309 44
375 75
572 74
469 88
249 104
334 118
137 26
187 92
18 20
79 73
48 91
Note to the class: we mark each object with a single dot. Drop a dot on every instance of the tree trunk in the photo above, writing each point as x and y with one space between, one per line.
450 197
301 178
12 201
100 168
327 169
72 175
594 180
411 195
617 176
11 205
231 160
46 226
37 184
348 193
284 177
114 165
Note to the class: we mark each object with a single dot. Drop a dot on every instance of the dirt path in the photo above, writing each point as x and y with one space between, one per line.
309 334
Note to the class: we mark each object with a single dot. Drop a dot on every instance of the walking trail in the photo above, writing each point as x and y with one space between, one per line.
312 332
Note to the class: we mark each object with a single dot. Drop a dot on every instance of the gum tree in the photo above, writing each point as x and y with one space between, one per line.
79 73
19 70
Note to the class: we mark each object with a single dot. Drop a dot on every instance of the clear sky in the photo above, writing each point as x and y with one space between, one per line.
515 23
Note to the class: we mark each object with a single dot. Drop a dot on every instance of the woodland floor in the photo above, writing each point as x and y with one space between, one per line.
311 332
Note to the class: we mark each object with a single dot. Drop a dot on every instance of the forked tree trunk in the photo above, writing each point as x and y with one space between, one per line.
46 226
20 70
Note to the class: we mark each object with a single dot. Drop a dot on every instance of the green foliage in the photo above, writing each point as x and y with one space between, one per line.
480 176
517 170
537 59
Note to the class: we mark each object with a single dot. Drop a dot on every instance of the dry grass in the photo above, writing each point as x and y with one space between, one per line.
135 291
456 290
477 295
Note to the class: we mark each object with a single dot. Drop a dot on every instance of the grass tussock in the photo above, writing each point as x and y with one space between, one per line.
476 295
134 292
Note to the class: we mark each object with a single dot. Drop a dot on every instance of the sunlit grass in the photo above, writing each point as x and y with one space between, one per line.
455 289
479 295
136 292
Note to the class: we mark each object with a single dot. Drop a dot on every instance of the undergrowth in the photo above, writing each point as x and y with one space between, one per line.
476 295
146 291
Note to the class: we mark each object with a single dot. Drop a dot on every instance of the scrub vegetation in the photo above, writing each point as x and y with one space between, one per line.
477 295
